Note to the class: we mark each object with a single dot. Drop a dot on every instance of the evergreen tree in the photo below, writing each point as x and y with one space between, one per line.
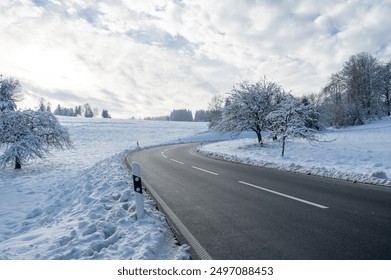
58 111
200 116
181 115
78 111
41 105
105 114
48 107
88 113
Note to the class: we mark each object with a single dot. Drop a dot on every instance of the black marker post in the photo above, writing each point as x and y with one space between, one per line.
138 189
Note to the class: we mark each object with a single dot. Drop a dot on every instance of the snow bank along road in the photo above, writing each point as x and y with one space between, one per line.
227 210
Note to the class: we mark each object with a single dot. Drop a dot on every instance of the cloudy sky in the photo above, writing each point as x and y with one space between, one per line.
145 58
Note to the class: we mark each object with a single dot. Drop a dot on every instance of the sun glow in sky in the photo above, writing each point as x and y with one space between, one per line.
145 58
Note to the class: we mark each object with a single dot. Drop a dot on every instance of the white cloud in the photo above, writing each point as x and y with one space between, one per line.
154 56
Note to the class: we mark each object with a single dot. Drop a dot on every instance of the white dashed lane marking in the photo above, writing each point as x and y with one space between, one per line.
204 170
177 161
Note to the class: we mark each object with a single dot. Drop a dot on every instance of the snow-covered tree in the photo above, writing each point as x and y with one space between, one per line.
105 114
356 93
215 110
48 107
30 134
43 106
10 93
313 102
200 116
248 105
181 115
361 85
334 103
58 111
25 135
78 111
88 113
289 120
385 86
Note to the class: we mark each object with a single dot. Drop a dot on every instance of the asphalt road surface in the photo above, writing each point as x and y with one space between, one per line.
233 211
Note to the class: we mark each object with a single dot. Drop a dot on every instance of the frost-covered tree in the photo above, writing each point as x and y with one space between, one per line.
200 116
30 134
314 104
215 110
48 107
181 115
360 81
58 111
88 113
248 105
385 86
10 93
78 111
355 93
105 114
289 120
334 105
41 104
25 135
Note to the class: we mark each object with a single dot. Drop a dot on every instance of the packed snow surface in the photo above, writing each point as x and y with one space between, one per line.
361 153
79 203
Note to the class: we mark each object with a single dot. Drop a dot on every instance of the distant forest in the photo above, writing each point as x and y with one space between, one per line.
79 111
178 115
87 111
182 115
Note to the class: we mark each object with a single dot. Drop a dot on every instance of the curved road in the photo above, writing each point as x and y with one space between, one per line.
233 211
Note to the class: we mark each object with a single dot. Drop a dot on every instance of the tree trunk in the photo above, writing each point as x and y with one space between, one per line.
259 136
18 164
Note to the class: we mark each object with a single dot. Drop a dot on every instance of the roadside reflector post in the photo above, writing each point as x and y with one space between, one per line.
138 190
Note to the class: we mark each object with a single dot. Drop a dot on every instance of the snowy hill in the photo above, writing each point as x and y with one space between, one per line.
361 153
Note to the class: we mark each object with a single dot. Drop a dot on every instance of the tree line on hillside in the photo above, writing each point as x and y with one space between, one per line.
359 92
80 111
182 115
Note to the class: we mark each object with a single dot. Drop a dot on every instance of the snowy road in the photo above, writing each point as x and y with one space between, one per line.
234 211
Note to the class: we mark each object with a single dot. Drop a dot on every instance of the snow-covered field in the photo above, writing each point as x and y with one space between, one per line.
79 204
361 153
